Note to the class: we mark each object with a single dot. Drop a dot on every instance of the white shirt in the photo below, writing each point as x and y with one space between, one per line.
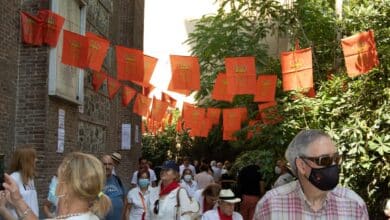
213 215
191 189
182 168
283 179
167 204
152 174
28 192
137 208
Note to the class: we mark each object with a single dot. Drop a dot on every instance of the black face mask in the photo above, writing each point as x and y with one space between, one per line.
325 178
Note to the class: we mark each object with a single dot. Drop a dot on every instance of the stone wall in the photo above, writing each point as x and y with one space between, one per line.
29 115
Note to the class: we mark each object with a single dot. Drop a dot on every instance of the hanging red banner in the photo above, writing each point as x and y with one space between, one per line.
265 88
158 109
360 53
239 84
297 69
98 79
74 49
97 50
149 65
52 26
232 119
130 64
185 72
167 98
31 29
128 94
141 105
113 87
147 90
269 113
220 91
213 114
240 65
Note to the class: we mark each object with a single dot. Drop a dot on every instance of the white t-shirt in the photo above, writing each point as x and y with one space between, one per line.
191 189
28 192
137 208
152 174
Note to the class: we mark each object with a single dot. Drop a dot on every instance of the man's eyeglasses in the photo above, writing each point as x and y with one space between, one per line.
155 209
326 160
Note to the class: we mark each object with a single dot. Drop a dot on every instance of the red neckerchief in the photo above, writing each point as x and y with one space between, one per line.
223 216
206 206
169 188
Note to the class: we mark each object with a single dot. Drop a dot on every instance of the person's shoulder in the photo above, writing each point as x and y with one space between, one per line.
281 192
237 216
210 213
344 194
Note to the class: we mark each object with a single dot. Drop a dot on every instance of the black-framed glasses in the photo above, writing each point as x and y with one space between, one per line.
325 160
155 209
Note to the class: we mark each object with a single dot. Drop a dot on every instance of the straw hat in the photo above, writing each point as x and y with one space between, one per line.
116 157
227 195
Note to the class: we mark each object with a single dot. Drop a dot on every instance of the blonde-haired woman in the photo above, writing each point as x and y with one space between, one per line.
22 170
81 180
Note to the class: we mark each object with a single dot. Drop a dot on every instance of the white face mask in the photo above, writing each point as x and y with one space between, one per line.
278 170
187 178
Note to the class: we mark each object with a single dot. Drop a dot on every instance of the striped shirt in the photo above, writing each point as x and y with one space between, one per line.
289 202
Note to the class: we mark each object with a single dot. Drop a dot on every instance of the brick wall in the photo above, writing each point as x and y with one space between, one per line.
29 115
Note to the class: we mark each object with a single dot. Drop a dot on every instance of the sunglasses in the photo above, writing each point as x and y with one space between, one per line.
326 160
155 209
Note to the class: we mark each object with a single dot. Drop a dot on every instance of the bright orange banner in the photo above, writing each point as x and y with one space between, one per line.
213 114
232 119
239 84
74 49
128 94
113 87
31 29
130 64
220 91
52 26
159 109
240 65
141 105
185 72
269 113
97 50
297 69
167 98
98 79
228 135
265 88
149 65
360 53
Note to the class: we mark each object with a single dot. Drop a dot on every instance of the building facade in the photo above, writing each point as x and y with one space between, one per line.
30 101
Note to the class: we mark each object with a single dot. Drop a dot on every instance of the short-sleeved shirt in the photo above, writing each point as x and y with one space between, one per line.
191 189
134 179
289 202
28 192
137 205
203 179
116 192
249 180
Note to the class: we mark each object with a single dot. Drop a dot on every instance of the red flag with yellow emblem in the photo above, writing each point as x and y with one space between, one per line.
130 64
141 105
52 26
113 87
98 79
97 50
74 49
185 73
128 94
297 69
265 88
31 29
149 65
240 65
213 114
231 122
360 53
158 109
220 92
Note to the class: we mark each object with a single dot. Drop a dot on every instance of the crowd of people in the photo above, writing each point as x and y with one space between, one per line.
86 188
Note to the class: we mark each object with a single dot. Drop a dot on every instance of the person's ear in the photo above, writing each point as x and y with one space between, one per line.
301 166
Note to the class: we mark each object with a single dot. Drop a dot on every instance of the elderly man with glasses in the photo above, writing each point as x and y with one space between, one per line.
315 195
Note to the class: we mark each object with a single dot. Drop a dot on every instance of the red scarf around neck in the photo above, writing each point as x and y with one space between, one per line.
223 216
169 188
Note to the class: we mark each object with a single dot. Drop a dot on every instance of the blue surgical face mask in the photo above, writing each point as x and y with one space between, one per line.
143 183
52 197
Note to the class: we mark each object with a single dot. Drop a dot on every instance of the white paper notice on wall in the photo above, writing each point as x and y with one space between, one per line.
126 137
61 131
136 134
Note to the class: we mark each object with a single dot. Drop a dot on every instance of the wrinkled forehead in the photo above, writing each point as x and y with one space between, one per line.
321 146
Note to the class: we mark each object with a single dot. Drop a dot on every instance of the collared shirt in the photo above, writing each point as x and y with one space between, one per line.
137 205
191 189
289 202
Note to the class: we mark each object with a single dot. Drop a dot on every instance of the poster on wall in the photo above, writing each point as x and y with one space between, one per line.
61 131
126 137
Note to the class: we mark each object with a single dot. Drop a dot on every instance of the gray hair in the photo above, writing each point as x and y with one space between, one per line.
298 146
